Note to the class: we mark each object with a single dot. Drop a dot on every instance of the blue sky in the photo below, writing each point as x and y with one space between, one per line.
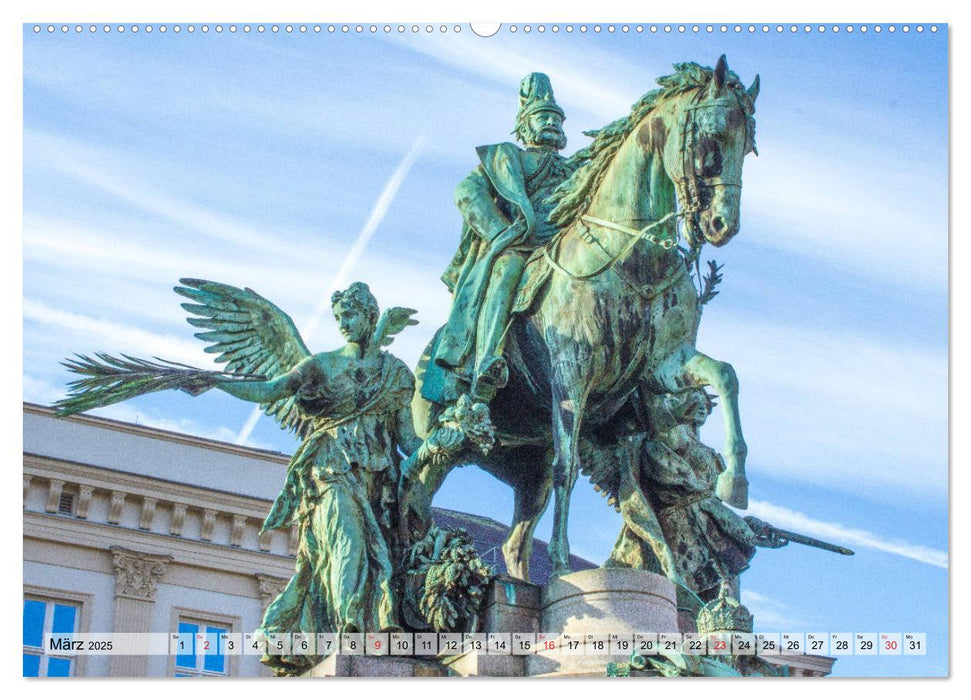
261 160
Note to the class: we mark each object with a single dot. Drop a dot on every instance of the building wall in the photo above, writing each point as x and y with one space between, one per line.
161 525
158 525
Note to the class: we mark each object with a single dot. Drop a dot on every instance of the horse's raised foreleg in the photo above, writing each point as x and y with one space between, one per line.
569 400
686 368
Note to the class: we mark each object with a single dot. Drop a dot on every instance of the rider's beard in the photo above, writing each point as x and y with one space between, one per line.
548 137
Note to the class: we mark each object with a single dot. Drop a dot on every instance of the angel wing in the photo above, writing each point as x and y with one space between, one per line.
392 322
251 335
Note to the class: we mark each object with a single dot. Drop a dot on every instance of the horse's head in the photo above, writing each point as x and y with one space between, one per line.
703 135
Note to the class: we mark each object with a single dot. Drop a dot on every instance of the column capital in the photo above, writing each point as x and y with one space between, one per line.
270 587
136 573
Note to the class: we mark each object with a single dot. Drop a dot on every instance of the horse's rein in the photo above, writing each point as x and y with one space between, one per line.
688 192
636 237
666 243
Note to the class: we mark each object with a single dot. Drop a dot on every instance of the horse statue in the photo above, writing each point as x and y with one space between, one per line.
609 309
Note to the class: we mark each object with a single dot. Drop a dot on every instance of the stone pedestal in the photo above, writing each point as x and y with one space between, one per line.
601 601
343 666
474 663
512 606
596 601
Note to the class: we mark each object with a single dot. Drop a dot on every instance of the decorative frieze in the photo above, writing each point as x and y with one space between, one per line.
115 507
54 495
146 518
84 501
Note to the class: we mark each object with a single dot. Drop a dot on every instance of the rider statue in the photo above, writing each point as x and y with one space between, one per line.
505 212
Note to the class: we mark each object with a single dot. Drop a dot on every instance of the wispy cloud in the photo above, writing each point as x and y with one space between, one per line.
812 204
38 390
837 408
582 82
124 179
114 336
848 212
131 308
770 613
57 241
841 534
374 220
350 260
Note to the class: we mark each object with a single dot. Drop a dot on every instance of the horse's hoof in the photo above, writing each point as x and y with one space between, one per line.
517 573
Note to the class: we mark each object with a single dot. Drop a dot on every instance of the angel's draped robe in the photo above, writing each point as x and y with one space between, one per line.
341 491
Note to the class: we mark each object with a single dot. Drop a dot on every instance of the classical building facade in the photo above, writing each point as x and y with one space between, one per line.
135 529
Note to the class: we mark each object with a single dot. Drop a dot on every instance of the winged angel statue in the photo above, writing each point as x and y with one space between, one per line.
351 409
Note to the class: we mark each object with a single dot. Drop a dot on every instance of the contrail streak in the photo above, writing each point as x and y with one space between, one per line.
353 255
837 532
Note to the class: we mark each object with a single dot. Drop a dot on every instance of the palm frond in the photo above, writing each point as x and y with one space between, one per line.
107 380
712 279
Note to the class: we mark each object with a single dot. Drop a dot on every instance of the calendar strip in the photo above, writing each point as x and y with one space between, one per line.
617 645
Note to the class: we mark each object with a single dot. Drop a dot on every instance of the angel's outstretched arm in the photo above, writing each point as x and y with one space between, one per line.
268 391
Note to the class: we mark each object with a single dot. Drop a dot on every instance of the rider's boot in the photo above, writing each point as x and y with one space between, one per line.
492 375
491 370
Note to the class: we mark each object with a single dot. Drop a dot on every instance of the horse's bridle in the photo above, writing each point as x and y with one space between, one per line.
689 195
690 183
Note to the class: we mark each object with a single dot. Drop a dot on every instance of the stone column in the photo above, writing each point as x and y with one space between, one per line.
601 601
136 574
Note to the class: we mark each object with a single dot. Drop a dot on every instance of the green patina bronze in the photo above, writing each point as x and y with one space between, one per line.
602 309
577 294
505 203
670 664
359 564
671 500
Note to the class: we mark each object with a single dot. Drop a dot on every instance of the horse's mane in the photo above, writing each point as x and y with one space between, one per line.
572 197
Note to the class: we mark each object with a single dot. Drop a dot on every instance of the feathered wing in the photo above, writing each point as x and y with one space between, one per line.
251 335
392 322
